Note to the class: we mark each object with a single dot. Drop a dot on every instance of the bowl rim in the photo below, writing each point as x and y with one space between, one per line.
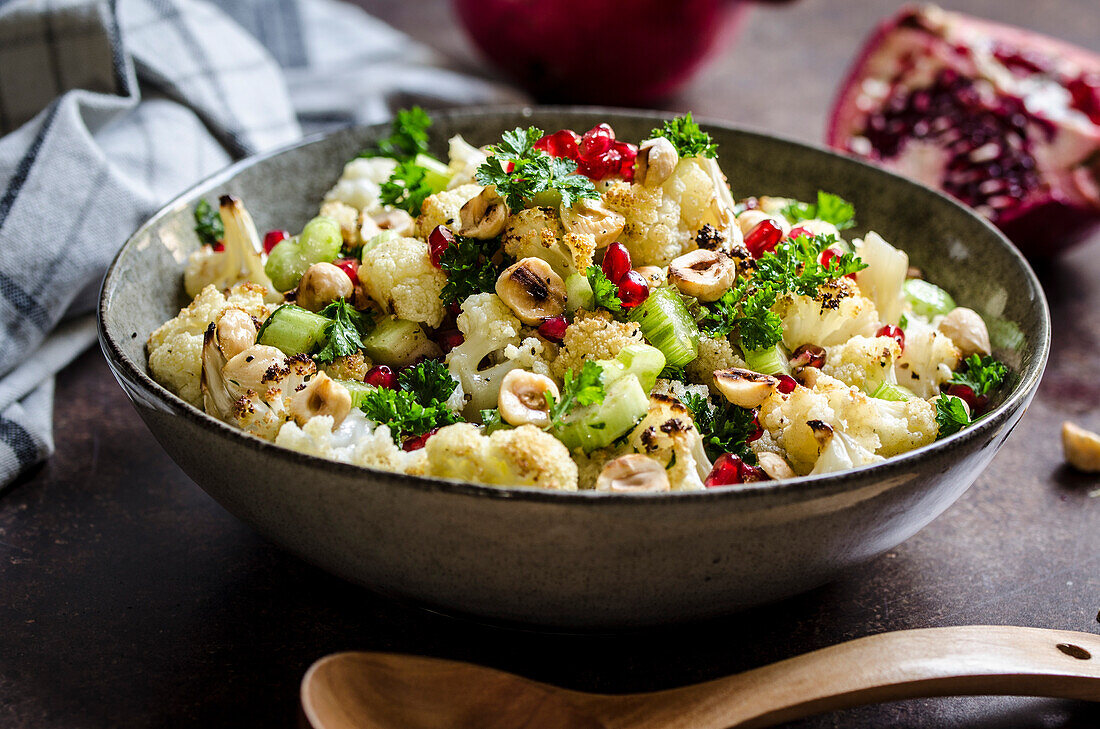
798 489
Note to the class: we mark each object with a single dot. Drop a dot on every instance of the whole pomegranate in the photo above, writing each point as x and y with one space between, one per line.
1005 120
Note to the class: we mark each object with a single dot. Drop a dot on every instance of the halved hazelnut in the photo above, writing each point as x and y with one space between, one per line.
653 275
775 465
633 473
483 215
322 395
1082 447
744 388
398 221
592 217
522 398
657 158
706 275
532 290
966 328
322 284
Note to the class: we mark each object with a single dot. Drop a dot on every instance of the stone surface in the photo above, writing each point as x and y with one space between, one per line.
129 598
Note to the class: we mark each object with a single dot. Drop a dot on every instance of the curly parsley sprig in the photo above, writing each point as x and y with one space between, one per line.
829 207
208 223
418 407
519 171
686 136
581 391
725 428
406 188
604 292
981 374
344 334
468 263
408 136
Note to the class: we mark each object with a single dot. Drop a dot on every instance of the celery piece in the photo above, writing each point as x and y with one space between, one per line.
293 330
641 360
927 299
668 326
597 426
578 293
546 199
436 174
894 393
770 361
359 391
321 240
392 340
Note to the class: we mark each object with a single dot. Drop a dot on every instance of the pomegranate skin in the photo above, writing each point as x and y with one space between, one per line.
625 52
998 117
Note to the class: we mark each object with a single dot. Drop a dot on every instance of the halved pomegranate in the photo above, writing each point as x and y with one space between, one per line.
1003 119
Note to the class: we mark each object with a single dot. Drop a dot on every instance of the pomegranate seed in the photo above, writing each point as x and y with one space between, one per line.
633 289
808 355
596 141
448 339
218 246
727 470
616 262
828 255
438 241
752 473
554 328
563 143
510 167
273 238
763 237
597 168
454 308
894 333
417 442
381 376
797 231
757 431
350 266
786 384
967 395
628 153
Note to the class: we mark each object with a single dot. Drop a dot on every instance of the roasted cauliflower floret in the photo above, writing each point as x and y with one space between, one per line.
539 233
175 348
398 274
714 354
361 183
356 440
464 161
352 366
592 336
863 362
668 435
489 328
838 313
523 456
442 208
241 258
928 360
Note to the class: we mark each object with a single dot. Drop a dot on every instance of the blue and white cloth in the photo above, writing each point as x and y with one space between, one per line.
109 108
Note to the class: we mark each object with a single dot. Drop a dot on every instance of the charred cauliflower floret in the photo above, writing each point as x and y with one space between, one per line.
928 360
714 354
398 274
348 218
175 348
241 258
481 362
523 456
352 366
539 233
668 435
443 208
863 362
836 314
356 440
361 183
593 336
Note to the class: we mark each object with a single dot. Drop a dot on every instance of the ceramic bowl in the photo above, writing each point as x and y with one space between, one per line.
584 559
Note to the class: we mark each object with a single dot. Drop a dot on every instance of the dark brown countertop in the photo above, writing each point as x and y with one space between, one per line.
129 598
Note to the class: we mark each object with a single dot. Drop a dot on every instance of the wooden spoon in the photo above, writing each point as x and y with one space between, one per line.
388 691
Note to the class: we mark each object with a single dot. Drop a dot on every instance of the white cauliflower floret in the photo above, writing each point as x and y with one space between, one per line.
442 208
523 456
399 275
714 354
884 276
903 425
175 348
530 355
539 233
928 360
348 218
489 327
592 336
464 161
241 258
838 313
356 440
841 452
668 435
863 362
361 183
679 390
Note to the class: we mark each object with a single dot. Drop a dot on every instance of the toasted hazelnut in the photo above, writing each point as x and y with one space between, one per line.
775 465
591 217
1082 447
236 331
653 275
322 395
322 284
532 290
656 160
633 473
398 221
483 215
522 398
706 275
966 328
744 388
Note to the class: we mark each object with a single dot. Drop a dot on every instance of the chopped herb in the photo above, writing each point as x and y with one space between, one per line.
403 414
830 208
344 334
492 422
408 136
686 136
519 171
208 223
672 372
585 389
406 188
903 323
725 428
951 415
429 380
981 374
604 292
469 267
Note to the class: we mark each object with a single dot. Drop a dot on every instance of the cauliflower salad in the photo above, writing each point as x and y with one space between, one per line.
570 311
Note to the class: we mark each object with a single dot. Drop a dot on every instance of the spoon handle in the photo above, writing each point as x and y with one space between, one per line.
961 661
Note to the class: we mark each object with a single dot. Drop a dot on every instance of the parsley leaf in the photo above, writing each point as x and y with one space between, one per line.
208 223
981 375
829 207
492 422
430 381
406 188
519 171
725 428
686 136
604 292
408 136
951 415
673 372
469 267
403 414
344 334
585 389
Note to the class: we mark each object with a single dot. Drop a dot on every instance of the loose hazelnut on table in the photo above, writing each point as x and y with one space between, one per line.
1081 447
